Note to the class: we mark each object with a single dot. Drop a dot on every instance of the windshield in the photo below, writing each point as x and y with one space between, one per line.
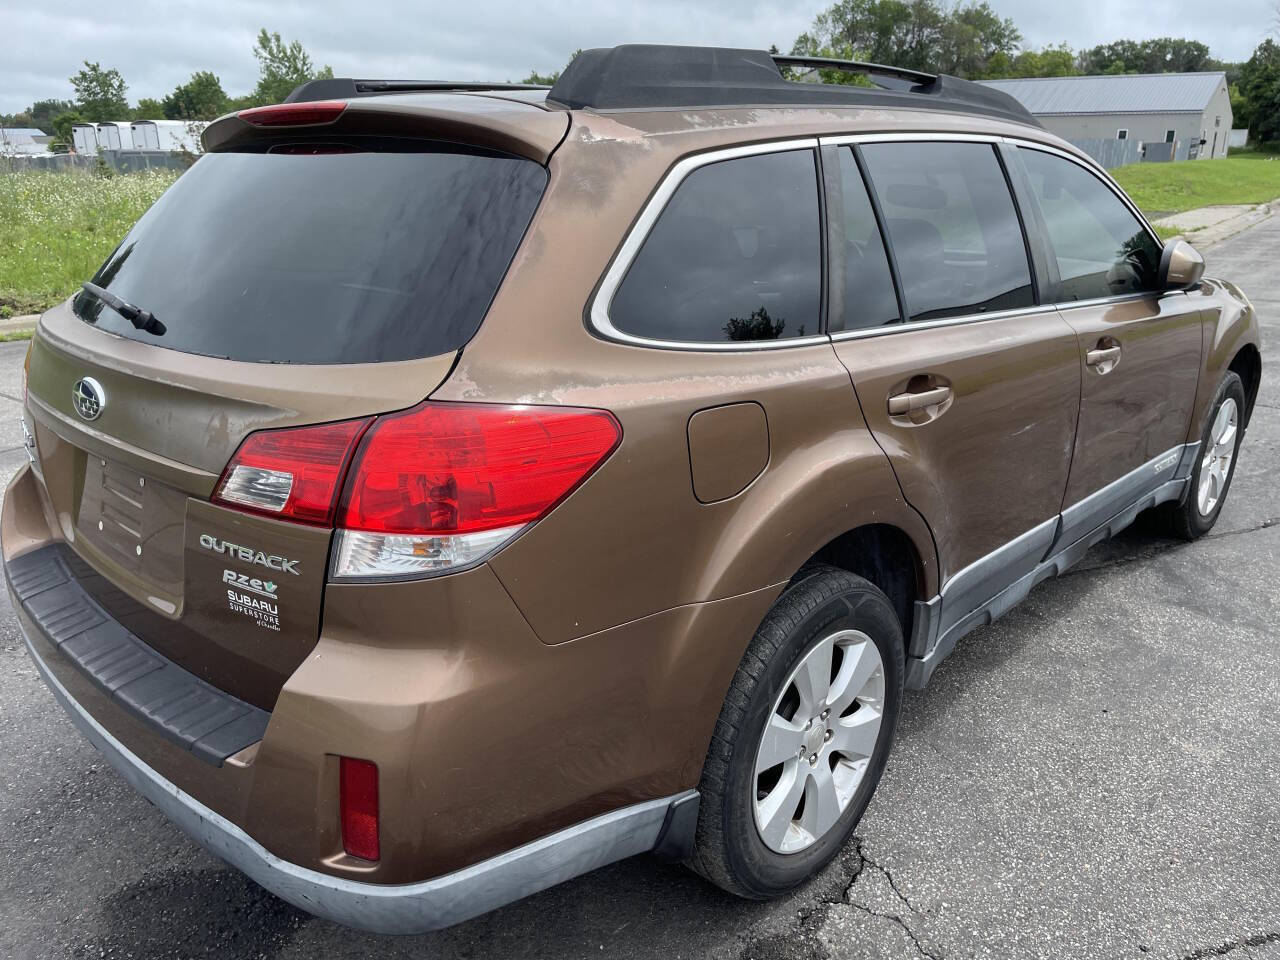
353 252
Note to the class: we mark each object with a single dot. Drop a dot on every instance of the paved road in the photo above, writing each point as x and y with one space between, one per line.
1098 774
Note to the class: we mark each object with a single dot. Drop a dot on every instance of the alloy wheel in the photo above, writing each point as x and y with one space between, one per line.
1215 466
819 740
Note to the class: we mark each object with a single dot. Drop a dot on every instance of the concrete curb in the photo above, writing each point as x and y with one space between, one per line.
19 324
1207 236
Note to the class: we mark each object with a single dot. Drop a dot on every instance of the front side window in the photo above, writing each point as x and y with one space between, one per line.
1101 248
952 226
736 256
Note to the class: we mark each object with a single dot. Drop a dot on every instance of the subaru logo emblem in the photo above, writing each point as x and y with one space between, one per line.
88 397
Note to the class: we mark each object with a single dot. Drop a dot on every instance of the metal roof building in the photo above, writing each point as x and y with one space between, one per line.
1176 108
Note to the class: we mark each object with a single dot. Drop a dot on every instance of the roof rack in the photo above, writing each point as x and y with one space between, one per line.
346 88
652 76
872 71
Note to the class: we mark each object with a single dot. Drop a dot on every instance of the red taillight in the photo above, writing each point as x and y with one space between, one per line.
429 490
456 468
294 473
358 800
294 114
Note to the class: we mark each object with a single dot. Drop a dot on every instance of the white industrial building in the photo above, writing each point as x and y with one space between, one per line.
1189 111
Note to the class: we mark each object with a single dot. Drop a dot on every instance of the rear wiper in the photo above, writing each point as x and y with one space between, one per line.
142 319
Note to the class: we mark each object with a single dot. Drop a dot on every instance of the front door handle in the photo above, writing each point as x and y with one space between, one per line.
1095 358
907 402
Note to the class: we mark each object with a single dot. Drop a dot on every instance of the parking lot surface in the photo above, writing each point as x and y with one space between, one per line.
1096 775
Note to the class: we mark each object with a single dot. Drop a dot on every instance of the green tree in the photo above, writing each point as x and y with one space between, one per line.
63 123
100 94
148 109
548 79
281 67
1159 55
966 40
1059 61
1260 88
971 36
200 98
41 113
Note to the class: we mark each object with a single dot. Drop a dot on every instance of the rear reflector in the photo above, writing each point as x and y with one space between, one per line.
294 473
294 114
428 490
358 800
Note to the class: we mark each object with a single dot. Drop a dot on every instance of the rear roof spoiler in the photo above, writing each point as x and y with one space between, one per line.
346 88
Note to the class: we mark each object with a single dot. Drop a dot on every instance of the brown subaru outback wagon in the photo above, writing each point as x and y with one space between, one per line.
446 490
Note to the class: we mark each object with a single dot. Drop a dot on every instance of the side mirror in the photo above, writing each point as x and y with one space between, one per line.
1181 266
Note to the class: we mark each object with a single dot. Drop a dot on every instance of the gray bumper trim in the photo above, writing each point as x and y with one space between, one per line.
405 908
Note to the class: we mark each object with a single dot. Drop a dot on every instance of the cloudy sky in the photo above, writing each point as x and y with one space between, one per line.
157 45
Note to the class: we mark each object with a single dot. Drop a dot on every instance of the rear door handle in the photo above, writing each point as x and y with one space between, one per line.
1095 357
906 402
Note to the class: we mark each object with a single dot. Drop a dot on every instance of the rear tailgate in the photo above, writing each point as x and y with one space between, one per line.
233 597
298 277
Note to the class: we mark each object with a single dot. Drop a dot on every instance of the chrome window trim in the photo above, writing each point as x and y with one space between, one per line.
903 327
600 321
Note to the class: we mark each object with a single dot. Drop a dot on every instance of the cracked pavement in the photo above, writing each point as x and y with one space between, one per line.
1095 775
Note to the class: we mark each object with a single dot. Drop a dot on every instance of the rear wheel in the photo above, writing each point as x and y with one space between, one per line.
1219 444
803 736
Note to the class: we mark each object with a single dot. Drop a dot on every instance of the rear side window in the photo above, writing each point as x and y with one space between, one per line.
1101 248
953 227
735 256
869 299
353 252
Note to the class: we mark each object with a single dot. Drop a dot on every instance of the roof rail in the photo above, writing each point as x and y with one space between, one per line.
869 70
346 88
652 76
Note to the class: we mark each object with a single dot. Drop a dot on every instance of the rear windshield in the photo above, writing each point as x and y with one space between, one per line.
354 252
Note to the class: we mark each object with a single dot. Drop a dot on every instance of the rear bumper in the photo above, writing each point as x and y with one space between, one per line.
402 908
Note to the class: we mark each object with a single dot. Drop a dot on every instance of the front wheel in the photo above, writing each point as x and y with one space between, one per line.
1219 445
803 735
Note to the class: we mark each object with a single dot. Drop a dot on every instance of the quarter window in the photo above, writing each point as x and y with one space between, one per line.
1101 248
952 226
735 256
868 297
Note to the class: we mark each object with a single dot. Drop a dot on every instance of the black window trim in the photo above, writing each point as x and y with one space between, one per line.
598 319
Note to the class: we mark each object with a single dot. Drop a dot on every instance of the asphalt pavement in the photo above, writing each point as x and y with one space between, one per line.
1095 775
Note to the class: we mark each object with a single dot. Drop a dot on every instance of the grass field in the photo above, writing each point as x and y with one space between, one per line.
1165 188
57 228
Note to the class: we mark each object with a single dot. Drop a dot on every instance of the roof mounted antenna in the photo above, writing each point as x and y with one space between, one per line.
899 78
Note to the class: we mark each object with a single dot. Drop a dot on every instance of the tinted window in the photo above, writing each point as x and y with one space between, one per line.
736 255
869 299
953 227
359 252
1100 247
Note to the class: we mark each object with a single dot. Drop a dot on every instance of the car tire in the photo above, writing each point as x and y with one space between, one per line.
747 840
1215 462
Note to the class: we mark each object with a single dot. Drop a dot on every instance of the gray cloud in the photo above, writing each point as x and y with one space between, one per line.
157 45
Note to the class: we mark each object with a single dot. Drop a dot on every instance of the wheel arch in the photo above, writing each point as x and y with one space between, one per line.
1247 364
885 556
